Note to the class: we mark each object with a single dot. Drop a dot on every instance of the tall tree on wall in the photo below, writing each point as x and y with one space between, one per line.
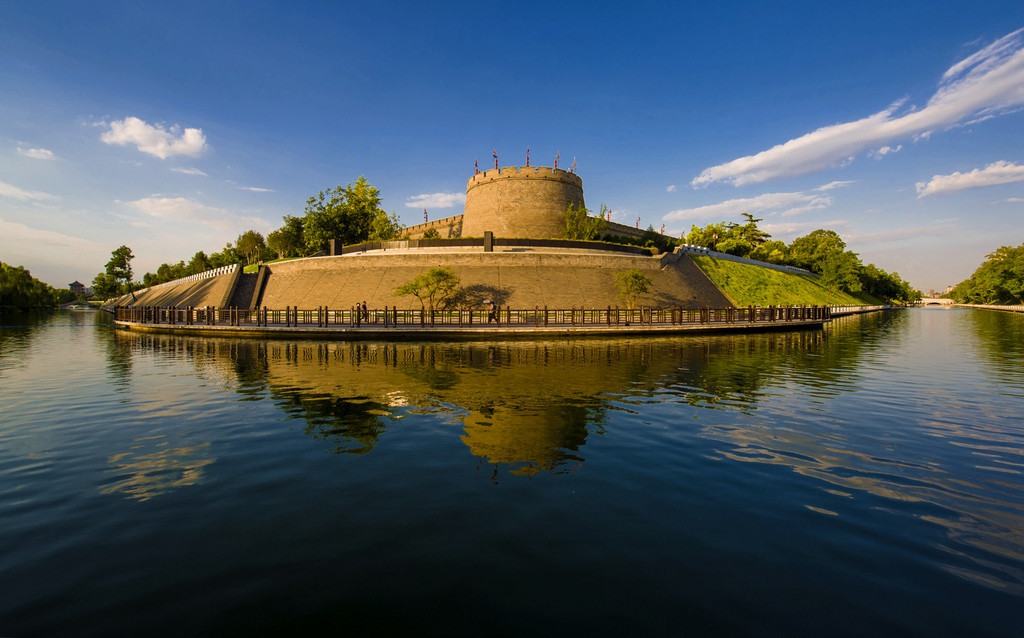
580 225
346 214
251 244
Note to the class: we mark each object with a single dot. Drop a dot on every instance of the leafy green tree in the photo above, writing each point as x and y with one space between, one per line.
229 255
19 289
251 245
385 227
580 225
198 264
120 267
344 214
999 280
632 284
105 286
773 252
434 288
812 250
839 271
287 241
431 233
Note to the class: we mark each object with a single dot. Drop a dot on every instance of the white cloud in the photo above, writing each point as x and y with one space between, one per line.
189 171
155 139
256 189
995 173
879 153
671 188
37 153
836 184
21 234
436 200
189 210
1014 200
987 83
785 204
13 192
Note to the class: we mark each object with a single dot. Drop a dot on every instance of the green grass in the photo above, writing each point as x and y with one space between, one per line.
749 285
255 267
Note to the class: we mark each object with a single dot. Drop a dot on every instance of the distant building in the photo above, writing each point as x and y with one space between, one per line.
77 287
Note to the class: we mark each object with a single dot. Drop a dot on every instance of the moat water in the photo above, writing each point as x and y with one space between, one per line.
864 479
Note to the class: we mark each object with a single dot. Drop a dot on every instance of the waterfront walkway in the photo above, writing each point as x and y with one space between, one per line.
393 323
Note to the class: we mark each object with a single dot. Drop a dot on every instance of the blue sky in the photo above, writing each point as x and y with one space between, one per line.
174 127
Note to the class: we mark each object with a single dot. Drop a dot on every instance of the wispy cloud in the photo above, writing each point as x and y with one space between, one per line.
37 153
879 153
436 200
256 189
189 171
155 139
671 188
995 173
22 195
1014 200
784 204
985 84
191 211
22 235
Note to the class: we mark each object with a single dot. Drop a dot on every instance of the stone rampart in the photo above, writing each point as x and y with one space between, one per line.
520 280
446 227
520 201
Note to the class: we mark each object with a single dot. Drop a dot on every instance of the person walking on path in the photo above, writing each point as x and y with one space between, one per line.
491 312
366 313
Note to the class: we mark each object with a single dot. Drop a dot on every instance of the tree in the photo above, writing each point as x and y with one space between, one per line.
19 289
251 244
580 225
344 214
750 233
839 271
198 264
287 241
431 233
105 286
120 267
812 250
632 284
385 227
433 288
999 280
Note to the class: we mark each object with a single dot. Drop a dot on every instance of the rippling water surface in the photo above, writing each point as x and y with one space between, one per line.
867 479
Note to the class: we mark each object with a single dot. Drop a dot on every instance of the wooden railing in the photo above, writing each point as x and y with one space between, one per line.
393 317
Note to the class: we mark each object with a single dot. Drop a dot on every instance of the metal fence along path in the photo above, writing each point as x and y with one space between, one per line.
395 321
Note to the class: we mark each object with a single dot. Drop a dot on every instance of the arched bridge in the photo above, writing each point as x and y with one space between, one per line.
936 302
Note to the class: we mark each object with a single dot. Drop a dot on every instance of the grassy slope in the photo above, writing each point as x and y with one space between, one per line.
749 285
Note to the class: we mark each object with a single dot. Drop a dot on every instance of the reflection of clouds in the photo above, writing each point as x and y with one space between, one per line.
145 475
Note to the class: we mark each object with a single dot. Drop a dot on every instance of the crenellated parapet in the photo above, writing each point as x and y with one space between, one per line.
520 201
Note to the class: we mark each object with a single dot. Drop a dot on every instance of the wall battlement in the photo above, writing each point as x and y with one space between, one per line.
524 172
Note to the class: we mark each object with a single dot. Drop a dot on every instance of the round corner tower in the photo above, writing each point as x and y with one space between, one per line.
520 201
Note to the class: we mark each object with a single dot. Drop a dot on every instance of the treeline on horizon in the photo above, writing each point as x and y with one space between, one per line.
352 214
998 281
821 251
21 291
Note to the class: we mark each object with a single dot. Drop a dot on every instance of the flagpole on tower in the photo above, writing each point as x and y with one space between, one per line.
527 157
556 159
495 158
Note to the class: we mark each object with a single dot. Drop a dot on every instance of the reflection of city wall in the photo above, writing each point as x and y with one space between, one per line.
530 404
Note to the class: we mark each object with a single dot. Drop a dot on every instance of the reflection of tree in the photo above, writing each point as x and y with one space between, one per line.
352 426
999 336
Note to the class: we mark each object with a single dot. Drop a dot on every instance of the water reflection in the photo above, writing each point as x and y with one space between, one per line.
878 406
151 468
